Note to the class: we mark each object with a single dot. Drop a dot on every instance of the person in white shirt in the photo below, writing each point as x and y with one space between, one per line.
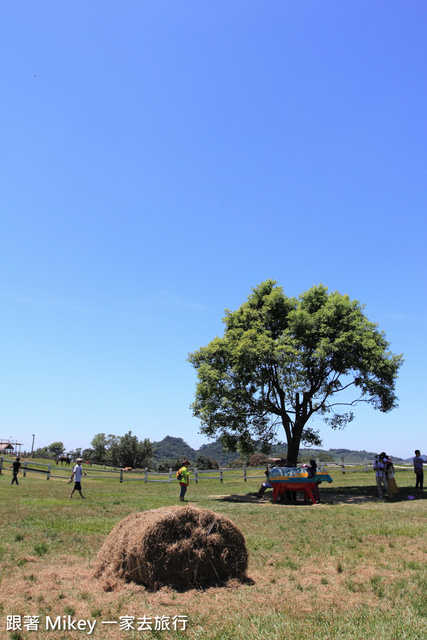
380 468
77 475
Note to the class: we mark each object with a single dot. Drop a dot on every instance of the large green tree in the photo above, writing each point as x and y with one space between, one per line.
128 451
102 446
57 448
290 359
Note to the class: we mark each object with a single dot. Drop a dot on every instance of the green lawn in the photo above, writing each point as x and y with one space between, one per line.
352 567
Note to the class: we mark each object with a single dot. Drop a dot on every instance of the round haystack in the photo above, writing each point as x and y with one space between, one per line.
180 547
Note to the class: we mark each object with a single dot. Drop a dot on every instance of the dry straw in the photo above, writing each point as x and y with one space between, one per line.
180 547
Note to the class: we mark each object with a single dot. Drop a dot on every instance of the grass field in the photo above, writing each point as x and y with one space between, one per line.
352 567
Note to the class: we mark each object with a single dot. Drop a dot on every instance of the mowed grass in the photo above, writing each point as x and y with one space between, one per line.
352 567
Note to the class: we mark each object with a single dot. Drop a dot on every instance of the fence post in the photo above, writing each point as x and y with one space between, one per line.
342 464
146 474
366 465
170 474
49 468
121 475
1 464
195 475
220 473
244 472
24 471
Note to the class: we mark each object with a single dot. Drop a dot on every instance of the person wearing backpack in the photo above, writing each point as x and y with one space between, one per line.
184 479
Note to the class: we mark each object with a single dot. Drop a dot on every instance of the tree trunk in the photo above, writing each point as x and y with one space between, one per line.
294 441
293 450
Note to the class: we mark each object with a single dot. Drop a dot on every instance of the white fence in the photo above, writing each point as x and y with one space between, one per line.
144 475
64 473
52 470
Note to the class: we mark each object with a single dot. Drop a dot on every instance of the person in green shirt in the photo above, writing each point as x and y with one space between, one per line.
185 480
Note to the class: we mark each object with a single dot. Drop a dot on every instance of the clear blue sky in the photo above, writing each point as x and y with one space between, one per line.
160 158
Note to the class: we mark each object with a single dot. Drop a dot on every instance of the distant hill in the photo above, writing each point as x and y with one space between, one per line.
423 456
331 455
214 451
171 448
356 456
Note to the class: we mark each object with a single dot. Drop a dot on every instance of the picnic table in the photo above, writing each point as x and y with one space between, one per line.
284 479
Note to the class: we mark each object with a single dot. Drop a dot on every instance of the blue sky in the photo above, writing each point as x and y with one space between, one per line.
161 158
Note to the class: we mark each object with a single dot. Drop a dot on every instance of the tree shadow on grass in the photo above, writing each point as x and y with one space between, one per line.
248 497
369 493
253 499
328 495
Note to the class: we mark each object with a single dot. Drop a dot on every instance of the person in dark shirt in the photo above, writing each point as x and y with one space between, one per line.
16 468
419 471
312 470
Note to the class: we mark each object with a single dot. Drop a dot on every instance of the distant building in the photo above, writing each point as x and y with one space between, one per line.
10 446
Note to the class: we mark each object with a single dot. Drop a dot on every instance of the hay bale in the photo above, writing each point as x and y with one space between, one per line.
176 546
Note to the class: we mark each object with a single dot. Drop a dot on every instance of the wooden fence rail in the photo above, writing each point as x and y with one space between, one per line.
51 471
221 474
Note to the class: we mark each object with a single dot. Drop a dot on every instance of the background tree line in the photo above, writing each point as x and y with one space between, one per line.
117 451
121 451
170 452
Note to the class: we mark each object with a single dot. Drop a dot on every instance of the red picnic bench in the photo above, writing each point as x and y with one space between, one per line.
279 489
295 479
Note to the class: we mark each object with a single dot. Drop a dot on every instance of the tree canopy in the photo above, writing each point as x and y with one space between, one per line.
102 445
130 452
120 451
57 448
291 358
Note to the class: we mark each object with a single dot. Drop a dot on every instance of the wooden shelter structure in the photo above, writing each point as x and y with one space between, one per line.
10 446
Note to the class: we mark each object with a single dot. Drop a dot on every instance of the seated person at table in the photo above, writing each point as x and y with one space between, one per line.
267 485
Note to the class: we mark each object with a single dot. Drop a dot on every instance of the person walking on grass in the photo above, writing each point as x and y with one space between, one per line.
16 468
418 470
380 468
184 480
77 475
